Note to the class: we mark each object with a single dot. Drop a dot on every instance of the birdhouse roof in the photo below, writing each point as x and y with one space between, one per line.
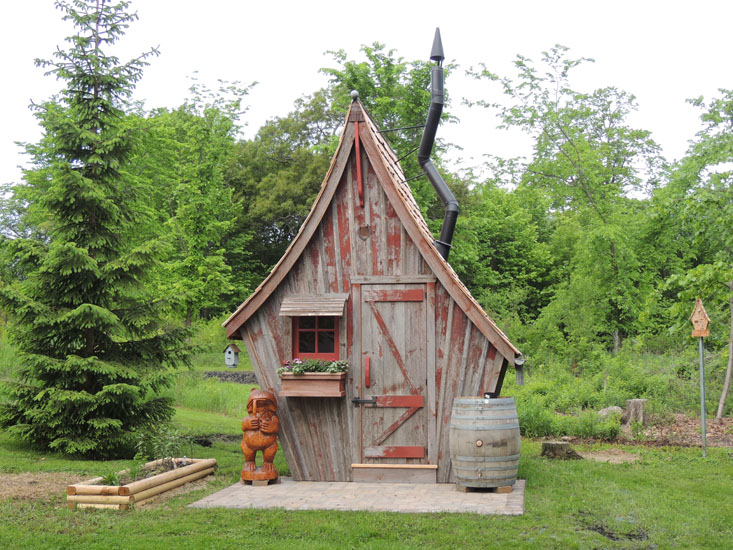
699 315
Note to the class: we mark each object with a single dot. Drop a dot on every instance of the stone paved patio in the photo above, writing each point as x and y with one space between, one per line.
375 497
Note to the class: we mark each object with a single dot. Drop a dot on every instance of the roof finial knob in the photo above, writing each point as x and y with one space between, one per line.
354 95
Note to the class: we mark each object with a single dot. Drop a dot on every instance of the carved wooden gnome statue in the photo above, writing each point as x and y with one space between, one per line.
260 434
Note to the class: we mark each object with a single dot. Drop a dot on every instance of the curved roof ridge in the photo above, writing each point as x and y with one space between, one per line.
410 216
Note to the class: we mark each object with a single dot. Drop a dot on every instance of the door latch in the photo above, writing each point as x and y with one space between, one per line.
356 401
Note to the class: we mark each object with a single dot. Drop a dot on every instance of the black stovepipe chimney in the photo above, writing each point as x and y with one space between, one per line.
443 244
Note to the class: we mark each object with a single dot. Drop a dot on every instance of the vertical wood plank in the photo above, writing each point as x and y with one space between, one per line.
336 231
371 217
329 250
442 449
352 216
431 401
493 371
476 388
357 373
464 359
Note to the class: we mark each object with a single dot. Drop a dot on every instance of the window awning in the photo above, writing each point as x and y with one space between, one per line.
313 305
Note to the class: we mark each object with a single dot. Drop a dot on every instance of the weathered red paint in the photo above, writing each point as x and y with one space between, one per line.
376 205
395 451
367 371
400 401
315 255
344 231
357 148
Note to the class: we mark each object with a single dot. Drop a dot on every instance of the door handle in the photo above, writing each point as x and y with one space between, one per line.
356 401
367 371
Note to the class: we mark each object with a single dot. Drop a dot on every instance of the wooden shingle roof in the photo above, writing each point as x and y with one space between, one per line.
386 165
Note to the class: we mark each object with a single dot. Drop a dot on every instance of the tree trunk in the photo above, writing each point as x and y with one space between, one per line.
616 342
726 384
635 412
559 449
189 321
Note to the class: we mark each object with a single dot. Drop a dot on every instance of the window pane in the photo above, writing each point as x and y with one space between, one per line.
325 322
306 342
325 342
307 322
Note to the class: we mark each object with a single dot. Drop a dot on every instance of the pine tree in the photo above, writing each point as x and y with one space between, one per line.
94 352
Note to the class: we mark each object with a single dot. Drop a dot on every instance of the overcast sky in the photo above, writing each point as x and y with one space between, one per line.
661 51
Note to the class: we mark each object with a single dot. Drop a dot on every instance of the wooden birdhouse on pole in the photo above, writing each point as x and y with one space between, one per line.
700 320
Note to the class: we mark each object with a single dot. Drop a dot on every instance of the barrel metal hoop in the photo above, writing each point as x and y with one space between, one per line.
487 458
486 428
480 469
477 400
510 476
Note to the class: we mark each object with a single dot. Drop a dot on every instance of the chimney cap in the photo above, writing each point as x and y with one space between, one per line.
436 54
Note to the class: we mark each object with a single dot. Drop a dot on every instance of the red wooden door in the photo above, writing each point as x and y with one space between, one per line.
394 425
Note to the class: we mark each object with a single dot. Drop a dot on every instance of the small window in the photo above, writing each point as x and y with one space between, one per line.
315 338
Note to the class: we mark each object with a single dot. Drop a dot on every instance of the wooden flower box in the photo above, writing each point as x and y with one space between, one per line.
313 384
87 494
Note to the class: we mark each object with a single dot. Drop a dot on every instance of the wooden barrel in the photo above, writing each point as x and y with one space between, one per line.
484 441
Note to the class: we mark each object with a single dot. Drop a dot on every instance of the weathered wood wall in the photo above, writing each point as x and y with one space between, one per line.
320 436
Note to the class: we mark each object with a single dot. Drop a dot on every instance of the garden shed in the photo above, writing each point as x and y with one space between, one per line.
363 282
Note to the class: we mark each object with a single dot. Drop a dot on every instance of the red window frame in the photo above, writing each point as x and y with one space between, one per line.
334 356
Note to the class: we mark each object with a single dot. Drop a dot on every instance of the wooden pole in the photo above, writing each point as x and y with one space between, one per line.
702 398
145 484
98 499
154 491
80 489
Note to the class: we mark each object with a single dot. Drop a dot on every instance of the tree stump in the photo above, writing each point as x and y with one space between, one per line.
635 412
559 450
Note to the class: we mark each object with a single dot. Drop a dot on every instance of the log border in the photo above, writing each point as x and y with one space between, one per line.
86 494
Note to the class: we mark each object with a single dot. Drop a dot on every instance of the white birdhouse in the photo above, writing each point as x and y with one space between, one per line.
231 356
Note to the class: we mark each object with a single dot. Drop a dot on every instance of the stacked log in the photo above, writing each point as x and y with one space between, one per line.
87 494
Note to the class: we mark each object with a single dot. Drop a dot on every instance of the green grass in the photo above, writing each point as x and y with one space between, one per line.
192 391
193 422
670 498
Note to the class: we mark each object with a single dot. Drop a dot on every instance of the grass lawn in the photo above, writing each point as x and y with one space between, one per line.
670 498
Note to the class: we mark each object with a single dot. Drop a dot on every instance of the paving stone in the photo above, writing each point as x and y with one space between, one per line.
396 497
